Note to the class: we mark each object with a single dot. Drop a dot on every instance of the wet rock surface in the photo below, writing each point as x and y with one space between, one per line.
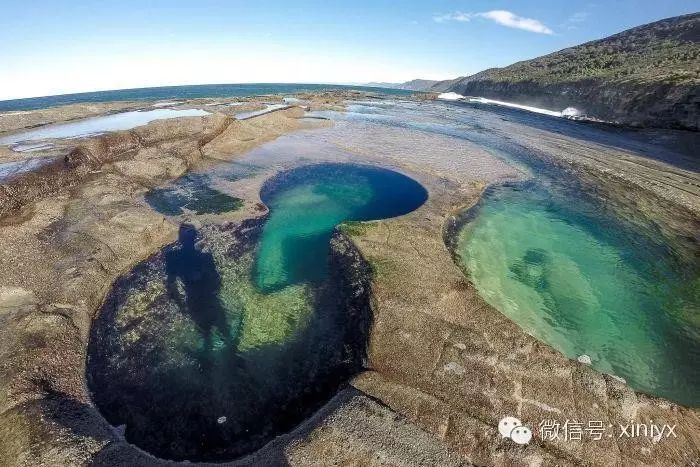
444 359
442 366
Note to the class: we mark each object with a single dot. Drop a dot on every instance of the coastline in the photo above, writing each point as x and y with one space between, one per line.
441 368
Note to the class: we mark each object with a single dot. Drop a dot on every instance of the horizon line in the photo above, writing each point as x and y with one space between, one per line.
365 84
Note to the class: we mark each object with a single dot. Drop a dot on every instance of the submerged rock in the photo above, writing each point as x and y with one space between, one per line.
585 359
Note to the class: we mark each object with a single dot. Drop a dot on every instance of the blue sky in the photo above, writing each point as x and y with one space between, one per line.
50 47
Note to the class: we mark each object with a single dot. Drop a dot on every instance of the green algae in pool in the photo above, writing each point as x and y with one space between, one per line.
586 284
308 202
200 363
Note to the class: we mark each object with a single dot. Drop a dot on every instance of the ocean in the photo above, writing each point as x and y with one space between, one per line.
181 92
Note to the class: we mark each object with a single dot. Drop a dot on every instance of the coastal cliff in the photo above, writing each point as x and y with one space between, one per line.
646 76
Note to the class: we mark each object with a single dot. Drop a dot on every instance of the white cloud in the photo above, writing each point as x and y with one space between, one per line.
456 16
502 17
511 20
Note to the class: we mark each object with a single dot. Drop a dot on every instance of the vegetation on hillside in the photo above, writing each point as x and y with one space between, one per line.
667 51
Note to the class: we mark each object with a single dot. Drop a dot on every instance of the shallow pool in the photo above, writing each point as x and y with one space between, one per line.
97 125
191 193
588 284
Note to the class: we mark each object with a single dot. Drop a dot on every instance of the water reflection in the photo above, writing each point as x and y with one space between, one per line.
97 125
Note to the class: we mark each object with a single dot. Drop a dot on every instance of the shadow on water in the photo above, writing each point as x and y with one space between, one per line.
194 283
199 364
189 397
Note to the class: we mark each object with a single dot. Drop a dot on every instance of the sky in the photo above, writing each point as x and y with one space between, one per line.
52 47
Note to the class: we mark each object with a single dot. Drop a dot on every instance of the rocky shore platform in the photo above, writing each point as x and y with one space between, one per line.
443 367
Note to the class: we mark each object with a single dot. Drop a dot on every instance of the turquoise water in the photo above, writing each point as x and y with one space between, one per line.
232 336
587 284
308 202
549 255
182 92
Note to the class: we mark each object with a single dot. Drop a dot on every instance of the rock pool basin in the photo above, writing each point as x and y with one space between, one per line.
588 284
95 125
230 337
442 365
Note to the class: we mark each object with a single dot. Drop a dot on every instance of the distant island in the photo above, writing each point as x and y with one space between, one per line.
645 76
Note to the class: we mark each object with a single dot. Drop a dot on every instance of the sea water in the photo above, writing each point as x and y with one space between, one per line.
585 283
218 344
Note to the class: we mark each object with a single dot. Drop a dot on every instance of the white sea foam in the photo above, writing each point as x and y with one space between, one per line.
571 112
166 104
567 112
529 108
450 96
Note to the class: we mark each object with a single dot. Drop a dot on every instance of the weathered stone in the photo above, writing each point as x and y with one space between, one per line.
443 366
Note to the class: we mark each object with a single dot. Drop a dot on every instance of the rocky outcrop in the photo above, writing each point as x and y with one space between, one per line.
68 231
646 76
447 361
173 139
160 150
662 105
442 365
413 85
417 84
242 135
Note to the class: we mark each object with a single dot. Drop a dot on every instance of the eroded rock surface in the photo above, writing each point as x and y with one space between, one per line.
446 360
443 366
67 232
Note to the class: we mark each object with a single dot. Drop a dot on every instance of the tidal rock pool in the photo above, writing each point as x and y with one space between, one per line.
232 336
10 169
586 267
585 283
308 202
97 125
